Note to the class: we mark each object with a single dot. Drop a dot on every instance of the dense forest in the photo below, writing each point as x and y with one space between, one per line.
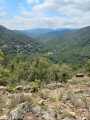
24 60
35 70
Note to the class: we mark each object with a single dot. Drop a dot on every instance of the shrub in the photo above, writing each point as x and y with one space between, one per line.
35 85
24 98
65 72
10 89
43 95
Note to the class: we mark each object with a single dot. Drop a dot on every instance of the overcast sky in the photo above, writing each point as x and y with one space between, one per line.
28 14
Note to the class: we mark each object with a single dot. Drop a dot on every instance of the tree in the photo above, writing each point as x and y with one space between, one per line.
87 65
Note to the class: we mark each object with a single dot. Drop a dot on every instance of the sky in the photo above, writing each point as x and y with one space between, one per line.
28 14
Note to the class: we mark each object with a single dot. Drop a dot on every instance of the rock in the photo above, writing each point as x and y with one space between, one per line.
41 102
78 118
2 88
78 91
28 87
84 118
73 114
8 102
50 115
19 112
53 113
3 117
53 85
80 75
28 94
66 118
68 112
47 116
47 91
19 87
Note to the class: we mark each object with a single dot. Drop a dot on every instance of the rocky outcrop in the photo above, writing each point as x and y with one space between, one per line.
53 85
19 112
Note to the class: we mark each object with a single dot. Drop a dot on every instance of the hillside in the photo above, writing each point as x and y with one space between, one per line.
61 101
70 48
11 42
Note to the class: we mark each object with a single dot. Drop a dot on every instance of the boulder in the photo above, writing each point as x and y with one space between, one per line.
53 85
20 111
4 117
20 87
2 88
28 87
80 75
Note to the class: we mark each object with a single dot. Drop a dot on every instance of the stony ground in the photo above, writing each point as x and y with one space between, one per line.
66 101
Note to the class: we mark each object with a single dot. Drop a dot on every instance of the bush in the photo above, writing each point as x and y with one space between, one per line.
24 98
35 85
10 89
87 65
65 72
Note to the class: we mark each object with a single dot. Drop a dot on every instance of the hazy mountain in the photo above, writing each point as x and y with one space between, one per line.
44 33
25 33
11 42
34 32
54 34
71 48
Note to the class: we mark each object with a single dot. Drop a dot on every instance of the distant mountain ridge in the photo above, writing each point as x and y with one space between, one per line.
54 34
44 33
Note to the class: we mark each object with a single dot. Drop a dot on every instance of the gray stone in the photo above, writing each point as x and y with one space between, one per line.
53 85
28 87
80 75
19 112
41 102
47 116
4 117
84 118
19 87
66 118
2 88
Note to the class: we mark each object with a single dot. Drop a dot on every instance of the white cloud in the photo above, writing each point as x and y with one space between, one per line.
64 6
78 10
32 1
45 22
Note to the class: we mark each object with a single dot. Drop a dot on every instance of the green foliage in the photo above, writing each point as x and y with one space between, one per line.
4 74
10 89
65 72
35 85
14 71
60 73
87 65
1 55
